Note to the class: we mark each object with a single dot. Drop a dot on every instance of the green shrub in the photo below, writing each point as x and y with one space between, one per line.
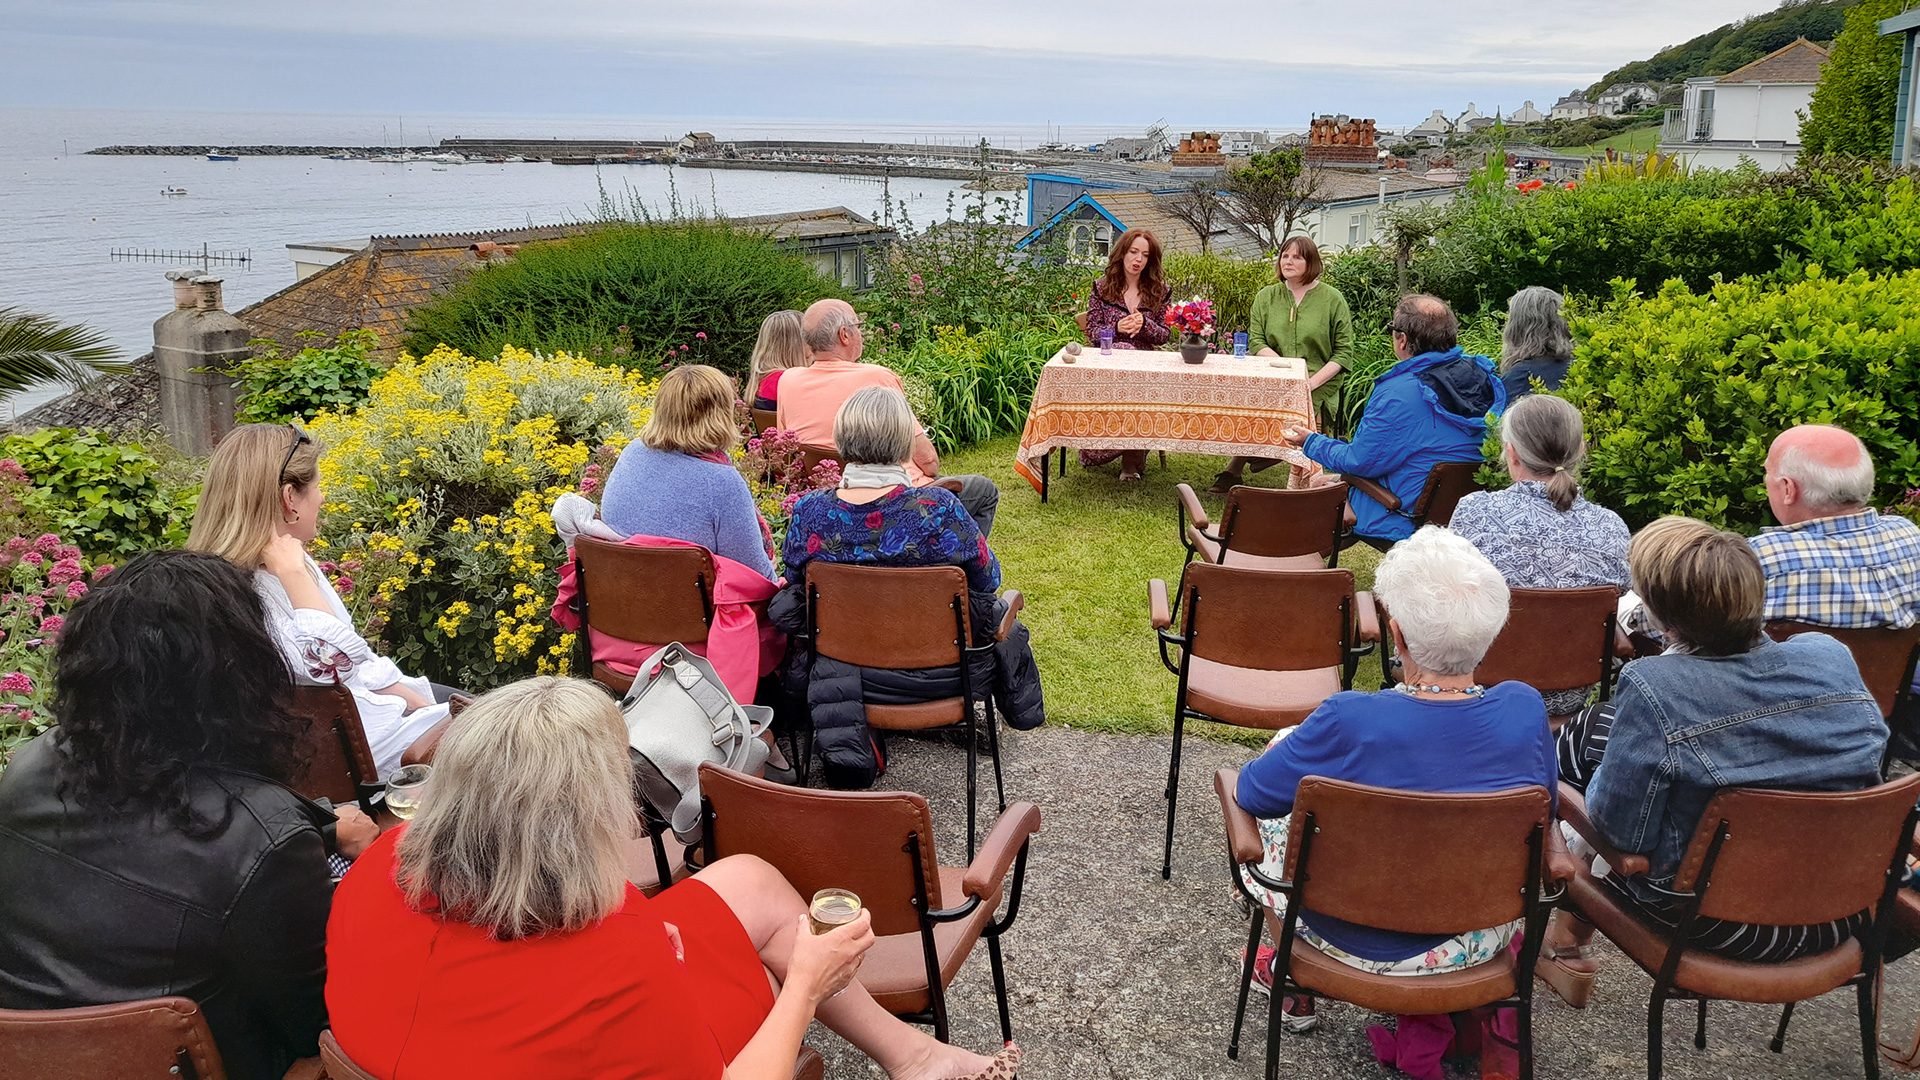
275 387
1230 283
112 499
1366 277
629 292
966 388
966 274
1682 393
1878 229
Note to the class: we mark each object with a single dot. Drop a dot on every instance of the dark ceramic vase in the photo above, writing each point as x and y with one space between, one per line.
1192 349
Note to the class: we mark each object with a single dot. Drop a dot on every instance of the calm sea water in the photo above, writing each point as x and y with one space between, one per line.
65 211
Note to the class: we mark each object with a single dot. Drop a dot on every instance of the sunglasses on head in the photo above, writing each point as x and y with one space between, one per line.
299 436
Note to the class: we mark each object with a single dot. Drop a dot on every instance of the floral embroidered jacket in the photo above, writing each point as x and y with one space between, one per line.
1103 317
906 527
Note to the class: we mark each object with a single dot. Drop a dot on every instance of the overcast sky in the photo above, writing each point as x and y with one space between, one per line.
1221 62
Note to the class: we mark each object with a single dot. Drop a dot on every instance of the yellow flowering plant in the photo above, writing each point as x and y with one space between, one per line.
438 491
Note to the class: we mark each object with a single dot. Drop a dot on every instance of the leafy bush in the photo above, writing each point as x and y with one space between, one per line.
436 526
40 579
966 388
275 387
628 291
1853 106
112 499
1366 277
1229 283
966 274
1877 229
1682 393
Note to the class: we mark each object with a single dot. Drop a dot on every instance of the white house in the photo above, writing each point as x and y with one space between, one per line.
1574 106
1354 202
1526 114
1433 127
1243 143
1752 112
1471 120
1626 98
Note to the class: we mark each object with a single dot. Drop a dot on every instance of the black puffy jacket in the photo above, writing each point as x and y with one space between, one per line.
98 908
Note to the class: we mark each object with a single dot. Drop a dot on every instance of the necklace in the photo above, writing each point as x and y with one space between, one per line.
1410 689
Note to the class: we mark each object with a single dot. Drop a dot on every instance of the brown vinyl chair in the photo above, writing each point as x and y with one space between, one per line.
340 766
1080 321
157 1039
812 454
1416 862
810 1065
1446 485
901 618
1242 661
765 419
926 916
1772 858
1555 639
650 595
1267 528
1886 656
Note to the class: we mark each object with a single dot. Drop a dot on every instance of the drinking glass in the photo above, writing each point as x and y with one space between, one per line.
1106 343
404 789
832 908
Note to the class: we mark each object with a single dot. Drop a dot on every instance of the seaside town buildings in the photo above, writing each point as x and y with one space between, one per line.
1751 113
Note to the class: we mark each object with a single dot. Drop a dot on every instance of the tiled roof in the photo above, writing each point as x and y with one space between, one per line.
1338 185
1796 62
1145 210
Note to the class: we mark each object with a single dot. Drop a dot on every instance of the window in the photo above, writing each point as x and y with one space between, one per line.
1357 233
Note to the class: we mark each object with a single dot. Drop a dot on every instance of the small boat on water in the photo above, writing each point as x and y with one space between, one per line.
173 191
223 157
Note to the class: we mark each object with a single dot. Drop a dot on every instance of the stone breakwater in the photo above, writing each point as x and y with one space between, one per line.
260 151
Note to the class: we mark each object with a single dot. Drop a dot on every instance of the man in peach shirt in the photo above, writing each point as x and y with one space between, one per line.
811 396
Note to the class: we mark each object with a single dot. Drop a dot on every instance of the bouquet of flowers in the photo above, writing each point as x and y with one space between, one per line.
1193 316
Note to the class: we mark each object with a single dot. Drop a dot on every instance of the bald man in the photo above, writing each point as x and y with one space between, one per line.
811 396
1833 561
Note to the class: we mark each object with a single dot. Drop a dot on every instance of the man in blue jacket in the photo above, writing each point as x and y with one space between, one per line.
1432 406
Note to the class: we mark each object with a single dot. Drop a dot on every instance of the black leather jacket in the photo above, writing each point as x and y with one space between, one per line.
97 908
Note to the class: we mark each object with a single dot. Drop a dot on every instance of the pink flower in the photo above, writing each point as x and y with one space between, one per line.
33 558
702 335
813 544
64 571
102 571
52 625
68 551
683 348
344 584
76 590
875 519
48 543
17 545
16 683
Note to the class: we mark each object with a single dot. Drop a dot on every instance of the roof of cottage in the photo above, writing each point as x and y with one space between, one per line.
1799 61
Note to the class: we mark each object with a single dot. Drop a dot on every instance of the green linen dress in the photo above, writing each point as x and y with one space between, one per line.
1319 329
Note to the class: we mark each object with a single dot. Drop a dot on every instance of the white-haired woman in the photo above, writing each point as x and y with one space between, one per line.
1536 343
1436 731
497 935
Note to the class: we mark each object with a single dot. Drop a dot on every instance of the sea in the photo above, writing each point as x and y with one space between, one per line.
65 212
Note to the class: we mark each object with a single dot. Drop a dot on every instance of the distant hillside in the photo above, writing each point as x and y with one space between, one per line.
1736 44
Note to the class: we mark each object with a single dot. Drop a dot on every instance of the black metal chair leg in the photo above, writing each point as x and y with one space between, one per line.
1246 981
993 748
1526 1036
1000 988
1869 1030
1700 1027
1656 1008
1780 1033
1173 792
973 766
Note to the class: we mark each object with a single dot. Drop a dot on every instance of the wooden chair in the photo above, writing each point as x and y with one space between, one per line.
810 1065
1555 639
157 1039
1080 321
340 764
1447 483
1410 861
765 419
1242 661
901 618
1886 656
1772 858
926 916
1268 528
649 595
812 454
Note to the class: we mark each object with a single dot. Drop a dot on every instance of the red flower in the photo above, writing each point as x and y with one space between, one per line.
874 519
813 543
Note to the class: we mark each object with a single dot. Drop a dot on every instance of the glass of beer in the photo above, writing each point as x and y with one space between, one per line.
404 788
832 908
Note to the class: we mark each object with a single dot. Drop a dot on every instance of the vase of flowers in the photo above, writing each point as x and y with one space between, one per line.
1194 319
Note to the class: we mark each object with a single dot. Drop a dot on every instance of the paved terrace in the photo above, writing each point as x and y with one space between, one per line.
1117 974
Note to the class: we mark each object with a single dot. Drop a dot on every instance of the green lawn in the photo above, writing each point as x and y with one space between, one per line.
1083 560
1636 141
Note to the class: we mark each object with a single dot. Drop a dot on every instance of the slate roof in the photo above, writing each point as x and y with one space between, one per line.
1146 210
1799 61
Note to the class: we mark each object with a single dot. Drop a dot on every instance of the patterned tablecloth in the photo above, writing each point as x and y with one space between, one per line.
1155 401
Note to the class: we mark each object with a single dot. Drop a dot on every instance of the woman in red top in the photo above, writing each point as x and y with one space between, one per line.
1129 302
779 347
497 936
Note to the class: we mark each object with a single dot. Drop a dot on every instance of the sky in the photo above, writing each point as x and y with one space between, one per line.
1226 63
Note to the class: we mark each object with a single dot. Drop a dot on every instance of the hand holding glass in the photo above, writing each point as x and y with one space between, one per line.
404 789
832 909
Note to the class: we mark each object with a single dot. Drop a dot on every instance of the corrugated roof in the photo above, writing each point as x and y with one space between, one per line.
1799 61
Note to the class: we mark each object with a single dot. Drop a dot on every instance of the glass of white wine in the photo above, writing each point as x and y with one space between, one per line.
404 789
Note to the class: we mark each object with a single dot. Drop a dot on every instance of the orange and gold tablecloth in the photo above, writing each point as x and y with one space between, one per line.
1228 405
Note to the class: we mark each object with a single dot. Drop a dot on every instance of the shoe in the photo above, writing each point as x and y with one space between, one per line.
1131 476
1223 483
1296 1013
1568 972
1005 1066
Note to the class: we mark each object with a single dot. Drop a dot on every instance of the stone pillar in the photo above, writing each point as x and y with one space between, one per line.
196 340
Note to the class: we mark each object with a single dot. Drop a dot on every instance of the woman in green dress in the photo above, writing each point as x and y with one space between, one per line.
1299 315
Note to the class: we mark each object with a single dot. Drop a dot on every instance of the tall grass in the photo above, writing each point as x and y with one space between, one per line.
967 388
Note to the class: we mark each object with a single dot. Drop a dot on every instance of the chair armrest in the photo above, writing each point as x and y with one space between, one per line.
1190 502
1573 811
422 750
1623 647
1003 845
1561 866
1158 609
950 483
1243 832
1016 603
1375 490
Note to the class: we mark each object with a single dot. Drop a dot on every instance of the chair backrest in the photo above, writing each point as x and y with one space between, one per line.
1080 321
812 454
889 617
650 595
1447 484
1273 620
764 419
1796 858
1555 639
857 840
1418 862
157 1039
1884 655
334 744
1281 522
339 1065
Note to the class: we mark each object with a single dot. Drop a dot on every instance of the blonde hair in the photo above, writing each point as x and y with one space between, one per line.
240 501
782 344
1703 585
693 412
519 831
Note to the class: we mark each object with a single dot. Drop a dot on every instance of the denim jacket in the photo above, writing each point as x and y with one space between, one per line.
1791 714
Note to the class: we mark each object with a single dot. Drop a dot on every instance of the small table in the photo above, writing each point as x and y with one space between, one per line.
1232 406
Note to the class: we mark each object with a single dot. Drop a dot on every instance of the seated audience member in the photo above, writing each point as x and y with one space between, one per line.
1129 302
149 844
878 518
496 934
781 346
1540 533
259 510
1725 706
1431 407
1437 731
1536 343
810 398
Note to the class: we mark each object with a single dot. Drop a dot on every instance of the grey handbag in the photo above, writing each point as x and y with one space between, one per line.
680 714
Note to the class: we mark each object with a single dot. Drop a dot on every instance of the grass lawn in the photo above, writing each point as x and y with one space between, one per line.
1636 141
1083 560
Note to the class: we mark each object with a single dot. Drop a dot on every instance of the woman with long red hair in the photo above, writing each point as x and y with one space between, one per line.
1129 302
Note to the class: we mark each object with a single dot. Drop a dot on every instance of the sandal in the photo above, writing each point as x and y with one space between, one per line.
1223 483
1569 970
1130 476
1005 1066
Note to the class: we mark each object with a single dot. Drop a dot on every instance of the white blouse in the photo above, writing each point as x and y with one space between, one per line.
321 646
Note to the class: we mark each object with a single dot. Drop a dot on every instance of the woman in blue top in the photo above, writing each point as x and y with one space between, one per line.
1437 731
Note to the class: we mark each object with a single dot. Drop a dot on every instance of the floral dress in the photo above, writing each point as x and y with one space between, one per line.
908 526
1104 318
